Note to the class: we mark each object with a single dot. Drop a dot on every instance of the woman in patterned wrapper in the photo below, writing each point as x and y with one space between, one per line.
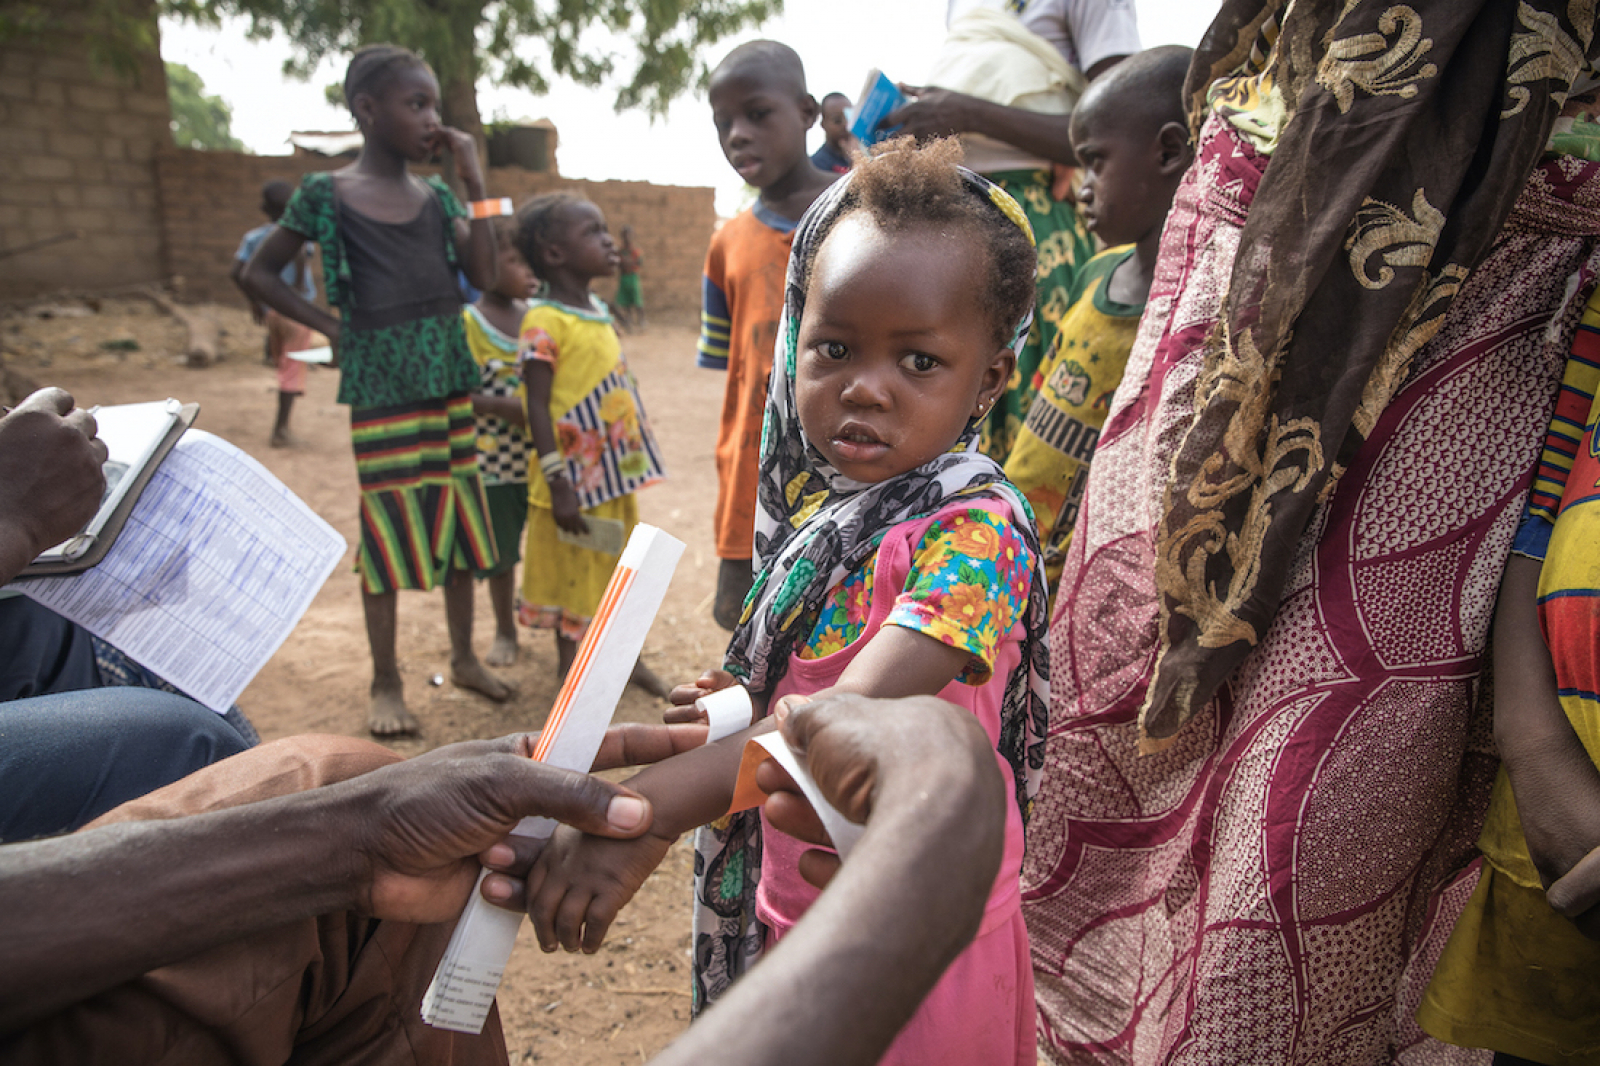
1269 750
391 244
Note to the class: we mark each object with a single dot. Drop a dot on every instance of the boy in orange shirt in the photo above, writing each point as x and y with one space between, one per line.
762 112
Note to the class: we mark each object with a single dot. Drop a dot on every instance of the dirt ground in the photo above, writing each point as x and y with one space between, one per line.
632 998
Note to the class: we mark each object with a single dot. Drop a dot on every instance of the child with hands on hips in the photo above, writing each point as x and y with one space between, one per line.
585 421
896 561
391 245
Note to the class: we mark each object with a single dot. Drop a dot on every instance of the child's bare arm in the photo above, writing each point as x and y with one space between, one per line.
506 407
579 883
537 377
262 281
476 251
1556 784
901 662
236 275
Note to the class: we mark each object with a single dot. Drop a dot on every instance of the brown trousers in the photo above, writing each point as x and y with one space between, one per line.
337 989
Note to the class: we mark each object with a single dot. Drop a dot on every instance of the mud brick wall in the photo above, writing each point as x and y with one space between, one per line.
209 200
78 145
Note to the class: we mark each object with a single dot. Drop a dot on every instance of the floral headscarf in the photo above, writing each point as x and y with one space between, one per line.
814 527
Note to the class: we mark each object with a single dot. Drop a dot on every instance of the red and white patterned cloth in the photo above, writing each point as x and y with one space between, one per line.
1276 886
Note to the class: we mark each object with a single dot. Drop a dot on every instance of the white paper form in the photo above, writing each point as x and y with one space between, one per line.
211 572
469 972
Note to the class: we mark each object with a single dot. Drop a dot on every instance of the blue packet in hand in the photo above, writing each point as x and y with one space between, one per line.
879 96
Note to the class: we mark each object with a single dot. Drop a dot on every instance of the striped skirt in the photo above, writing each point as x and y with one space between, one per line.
423 511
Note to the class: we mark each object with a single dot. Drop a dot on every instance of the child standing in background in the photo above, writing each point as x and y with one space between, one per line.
630 297
493 324
391 243
838 144
585 421
896 561
1131 137
284 334
1518 976
762 112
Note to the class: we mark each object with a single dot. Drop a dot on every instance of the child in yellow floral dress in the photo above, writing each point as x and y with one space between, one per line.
896 560
586 423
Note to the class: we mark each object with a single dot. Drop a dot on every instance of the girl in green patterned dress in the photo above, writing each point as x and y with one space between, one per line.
391 244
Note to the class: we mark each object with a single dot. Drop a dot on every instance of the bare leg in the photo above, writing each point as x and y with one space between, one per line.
465 669
502 595
734 579
566 651
646 678
280 430
388 716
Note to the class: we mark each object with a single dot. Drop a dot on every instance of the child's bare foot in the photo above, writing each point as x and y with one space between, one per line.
281 439
503 652
389 717
646 679
469 673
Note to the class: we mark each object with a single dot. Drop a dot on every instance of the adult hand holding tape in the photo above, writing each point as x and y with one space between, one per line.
859 753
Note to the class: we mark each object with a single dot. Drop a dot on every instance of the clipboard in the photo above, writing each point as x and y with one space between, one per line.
86 549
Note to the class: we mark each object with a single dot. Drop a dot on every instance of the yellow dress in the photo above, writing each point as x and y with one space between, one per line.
604 436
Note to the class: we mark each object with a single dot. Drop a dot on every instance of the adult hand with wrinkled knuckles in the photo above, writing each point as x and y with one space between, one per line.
400 843
51 476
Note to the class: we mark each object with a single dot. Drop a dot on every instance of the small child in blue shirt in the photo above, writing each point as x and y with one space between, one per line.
284 334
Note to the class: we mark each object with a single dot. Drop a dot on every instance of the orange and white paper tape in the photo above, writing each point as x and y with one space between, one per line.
469 974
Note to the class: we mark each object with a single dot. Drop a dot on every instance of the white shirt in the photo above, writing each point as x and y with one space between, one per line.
1083 31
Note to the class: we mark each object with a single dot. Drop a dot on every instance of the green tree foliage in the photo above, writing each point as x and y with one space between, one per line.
522 43
198 120
119 34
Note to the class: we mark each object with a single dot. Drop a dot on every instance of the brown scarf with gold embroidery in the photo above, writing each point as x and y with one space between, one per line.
1411 130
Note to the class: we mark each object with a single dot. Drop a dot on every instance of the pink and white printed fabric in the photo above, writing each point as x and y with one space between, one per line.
1276 885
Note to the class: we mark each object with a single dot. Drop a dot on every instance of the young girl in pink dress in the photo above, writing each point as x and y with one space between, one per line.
895 561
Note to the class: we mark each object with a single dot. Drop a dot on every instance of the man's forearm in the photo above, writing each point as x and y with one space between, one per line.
1047 136
91 910
905 904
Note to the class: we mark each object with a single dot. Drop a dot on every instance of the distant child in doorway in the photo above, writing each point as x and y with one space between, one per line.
585 421
284 334
762 112
839 144
1131 137
493 324
896 561
391 243
630 297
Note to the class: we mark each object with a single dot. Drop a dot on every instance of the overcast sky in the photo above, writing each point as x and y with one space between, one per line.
839 40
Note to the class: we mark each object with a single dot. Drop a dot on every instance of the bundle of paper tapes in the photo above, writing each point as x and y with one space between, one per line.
469 974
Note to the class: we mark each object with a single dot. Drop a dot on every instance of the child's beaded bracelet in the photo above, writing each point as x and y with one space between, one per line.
552 465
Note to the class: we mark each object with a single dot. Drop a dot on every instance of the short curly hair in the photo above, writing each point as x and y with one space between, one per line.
903 184
538 222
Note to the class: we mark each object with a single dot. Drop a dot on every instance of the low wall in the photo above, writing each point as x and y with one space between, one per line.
77 190
210 199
